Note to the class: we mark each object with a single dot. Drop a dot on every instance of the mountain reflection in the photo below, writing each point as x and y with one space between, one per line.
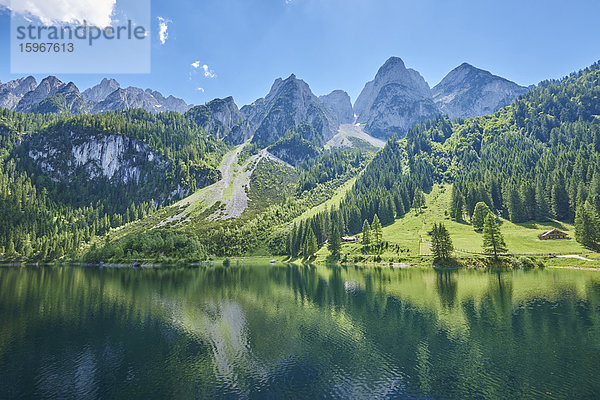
297 331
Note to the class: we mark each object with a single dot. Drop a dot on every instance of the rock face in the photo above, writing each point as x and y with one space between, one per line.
394 101
169 103
48 87
101 91
339 105
289 103
132 97
124 99
119 159
468 92
222 119
53 96
66 99
12 92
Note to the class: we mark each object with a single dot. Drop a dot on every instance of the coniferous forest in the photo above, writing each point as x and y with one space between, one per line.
535 160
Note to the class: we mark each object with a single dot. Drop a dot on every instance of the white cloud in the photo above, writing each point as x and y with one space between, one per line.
208 73
163 26
200 89
95 12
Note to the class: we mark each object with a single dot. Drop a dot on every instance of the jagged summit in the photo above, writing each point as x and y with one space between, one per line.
468 91
394 100
289 103
339 105
398 97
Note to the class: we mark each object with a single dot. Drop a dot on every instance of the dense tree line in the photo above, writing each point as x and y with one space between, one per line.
44 219
34 227
329 166
537 159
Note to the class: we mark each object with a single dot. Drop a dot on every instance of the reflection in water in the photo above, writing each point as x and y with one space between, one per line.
302 332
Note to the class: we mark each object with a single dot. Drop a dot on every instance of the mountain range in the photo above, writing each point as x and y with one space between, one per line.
396 99
52 96
224 180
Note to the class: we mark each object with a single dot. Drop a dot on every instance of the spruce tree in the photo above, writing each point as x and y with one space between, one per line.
441 245
335 240
560 199
366 233
527 194
516 209
399 205
493 240
542 211
587 226
310 247
456 204
418 200
481 211
377 230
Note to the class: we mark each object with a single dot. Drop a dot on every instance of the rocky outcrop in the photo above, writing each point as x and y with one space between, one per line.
132 97
124 99
289 104
394 101
119 159
339 105
169 103
13 91
468 92
222 119
101 91
66 99
54 96
48 87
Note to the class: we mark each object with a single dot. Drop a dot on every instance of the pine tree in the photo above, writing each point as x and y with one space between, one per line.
516 210
366 233
481 211
399 205
542 211
377 230
527 194
560 199
441 246
456 204
493 240
10 250
587 226
418 200
310 246
335 240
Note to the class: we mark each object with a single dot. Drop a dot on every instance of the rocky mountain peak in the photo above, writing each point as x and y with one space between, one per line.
339 105
222 119
47 87
395 100
289 103
468 91
101 91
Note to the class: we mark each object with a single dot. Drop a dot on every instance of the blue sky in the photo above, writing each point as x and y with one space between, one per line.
340 44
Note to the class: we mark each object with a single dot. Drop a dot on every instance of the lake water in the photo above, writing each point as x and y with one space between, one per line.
298 332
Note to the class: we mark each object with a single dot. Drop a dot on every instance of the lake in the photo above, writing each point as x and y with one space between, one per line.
264 331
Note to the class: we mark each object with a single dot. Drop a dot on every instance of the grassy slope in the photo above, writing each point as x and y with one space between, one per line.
520 238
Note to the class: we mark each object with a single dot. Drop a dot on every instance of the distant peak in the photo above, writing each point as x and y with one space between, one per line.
292 77
51 79
394 62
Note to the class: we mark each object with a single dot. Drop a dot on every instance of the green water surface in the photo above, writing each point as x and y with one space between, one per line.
287 332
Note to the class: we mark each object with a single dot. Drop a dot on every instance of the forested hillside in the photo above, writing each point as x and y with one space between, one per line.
50 206
534 160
